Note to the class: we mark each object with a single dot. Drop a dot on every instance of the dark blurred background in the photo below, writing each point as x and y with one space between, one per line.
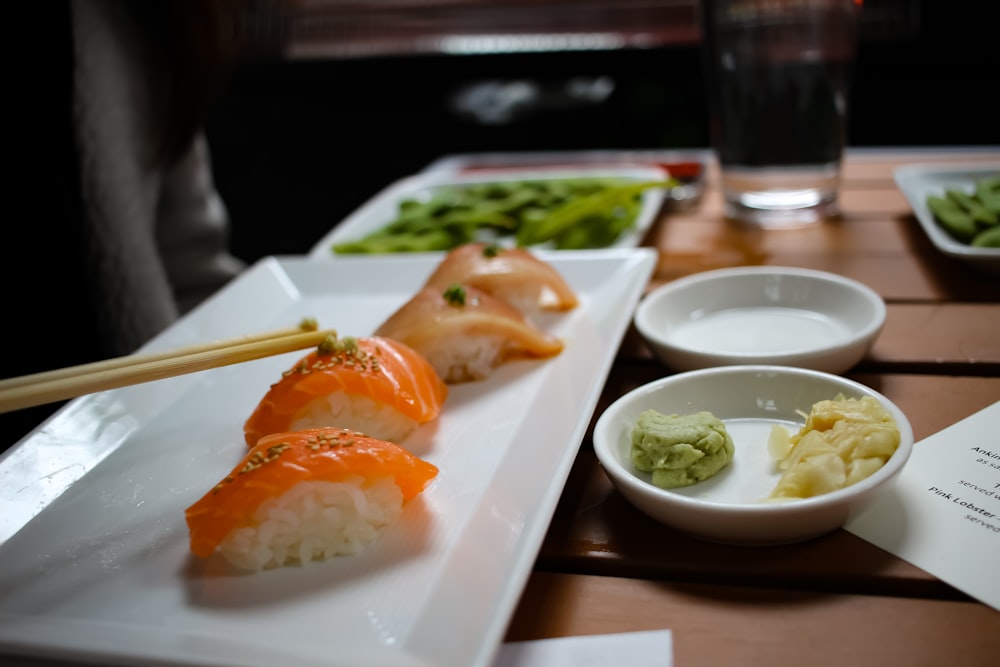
339 98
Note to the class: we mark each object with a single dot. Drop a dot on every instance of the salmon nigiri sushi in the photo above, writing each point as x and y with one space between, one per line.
375 385
465 333
515 275
304 496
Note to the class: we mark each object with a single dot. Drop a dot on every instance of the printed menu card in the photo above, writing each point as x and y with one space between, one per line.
943 514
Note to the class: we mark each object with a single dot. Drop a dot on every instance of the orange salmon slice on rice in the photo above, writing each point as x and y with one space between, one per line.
304 496
375 385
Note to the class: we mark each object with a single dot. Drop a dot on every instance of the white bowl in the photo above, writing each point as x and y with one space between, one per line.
729 507
761 315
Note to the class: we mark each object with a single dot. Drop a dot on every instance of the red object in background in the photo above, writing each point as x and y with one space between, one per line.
682 171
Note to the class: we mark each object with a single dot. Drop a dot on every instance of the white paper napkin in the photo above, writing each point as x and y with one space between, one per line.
943 512
653 648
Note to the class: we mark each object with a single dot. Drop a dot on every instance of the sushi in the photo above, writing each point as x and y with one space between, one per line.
514 275
306 495
464 333
375 385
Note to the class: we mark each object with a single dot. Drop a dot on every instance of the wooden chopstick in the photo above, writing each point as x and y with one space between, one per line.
49 386
132 359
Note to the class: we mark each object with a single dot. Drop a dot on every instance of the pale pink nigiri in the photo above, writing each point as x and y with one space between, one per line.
514 275
465 333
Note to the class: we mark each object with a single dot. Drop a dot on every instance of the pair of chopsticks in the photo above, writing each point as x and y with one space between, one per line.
50 386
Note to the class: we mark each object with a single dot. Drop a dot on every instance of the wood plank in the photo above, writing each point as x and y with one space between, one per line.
941 334
883 246
881 197
903 277
716 625
891 255
725 243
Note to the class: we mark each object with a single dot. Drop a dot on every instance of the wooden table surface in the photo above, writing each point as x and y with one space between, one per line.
838 600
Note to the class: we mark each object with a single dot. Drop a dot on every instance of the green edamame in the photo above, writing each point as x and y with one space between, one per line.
988 238
981 215
585 212
952 218
988 192
970 217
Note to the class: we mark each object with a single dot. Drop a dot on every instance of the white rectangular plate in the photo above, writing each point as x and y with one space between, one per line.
383 207
918 181
94 560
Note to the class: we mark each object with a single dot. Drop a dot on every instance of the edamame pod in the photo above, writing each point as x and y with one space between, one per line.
988 192
981 215
953 219
988 238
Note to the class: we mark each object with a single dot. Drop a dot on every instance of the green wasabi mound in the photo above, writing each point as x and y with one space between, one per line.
680 450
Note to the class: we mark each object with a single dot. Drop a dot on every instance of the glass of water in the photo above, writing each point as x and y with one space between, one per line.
778 73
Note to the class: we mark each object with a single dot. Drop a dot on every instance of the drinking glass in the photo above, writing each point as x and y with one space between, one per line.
777 74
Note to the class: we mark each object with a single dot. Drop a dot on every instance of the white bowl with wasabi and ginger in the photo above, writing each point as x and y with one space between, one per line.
809 450
778 315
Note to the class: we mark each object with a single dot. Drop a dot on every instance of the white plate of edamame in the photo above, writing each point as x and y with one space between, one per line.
607 207
919 182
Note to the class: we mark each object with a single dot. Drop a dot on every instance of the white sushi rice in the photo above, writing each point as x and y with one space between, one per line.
358 413
466 359
313 521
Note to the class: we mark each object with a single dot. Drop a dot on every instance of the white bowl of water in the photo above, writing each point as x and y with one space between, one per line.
783 316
